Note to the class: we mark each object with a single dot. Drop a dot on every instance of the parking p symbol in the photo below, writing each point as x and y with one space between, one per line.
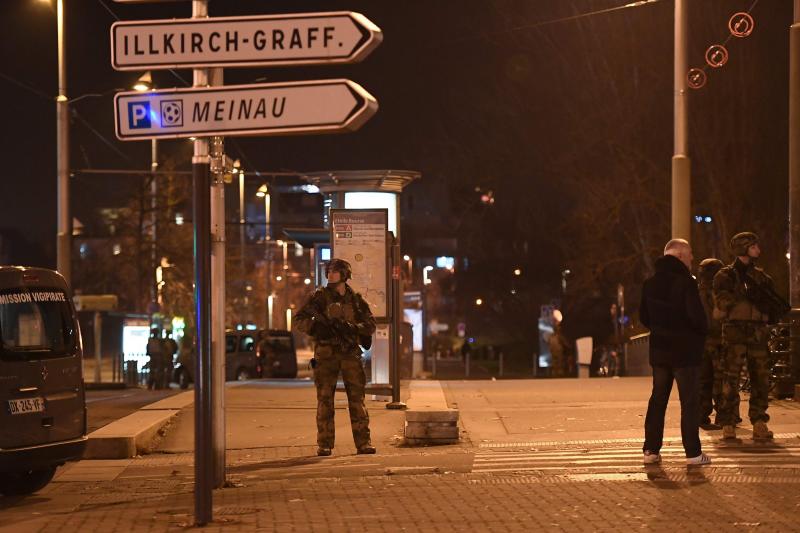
139 114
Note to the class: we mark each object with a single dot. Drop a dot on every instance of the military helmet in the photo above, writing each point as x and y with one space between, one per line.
341 266
709 267
741 242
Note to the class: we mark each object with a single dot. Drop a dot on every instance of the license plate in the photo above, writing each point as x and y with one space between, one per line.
28 405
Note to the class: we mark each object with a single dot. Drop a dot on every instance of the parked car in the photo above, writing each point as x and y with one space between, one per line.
276 354
43 418
248 354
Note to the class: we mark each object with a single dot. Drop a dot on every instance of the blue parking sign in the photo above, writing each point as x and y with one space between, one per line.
139 114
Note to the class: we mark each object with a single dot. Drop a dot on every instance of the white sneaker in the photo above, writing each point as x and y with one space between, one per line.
700 460
651 458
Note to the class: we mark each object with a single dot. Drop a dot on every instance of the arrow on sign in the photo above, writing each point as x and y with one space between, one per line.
321 106
268 40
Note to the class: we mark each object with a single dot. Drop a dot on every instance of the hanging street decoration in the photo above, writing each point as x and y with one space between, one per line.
697 78
716 56
741 24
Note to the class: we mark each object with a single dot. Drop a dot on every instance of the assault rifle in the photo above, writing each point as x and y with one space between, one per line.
766 299
338 328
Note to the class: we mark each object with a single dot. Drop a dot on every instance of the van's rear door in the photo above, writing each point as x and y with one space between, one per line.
41 383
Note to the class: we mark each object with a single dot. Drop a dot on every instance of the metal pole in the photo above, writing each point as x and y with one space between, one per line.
681 164
268 250
794 190
64 236
218 303
286 281
154 216
397 320
203 458
242 222
98 341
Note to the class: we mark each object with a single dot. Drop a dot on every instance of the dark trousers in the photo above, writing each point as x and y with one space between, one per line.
688 379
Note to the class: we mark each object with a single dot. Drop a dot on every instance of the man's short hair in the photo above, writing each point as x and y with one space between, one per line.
674 246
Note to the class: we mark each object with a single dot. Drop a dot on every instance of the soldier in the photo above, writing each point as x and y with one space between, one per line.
711 367
156 353
339 320
739 303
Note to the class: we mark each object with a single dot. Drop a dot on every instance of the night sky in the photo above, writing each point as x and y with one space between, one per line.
471 93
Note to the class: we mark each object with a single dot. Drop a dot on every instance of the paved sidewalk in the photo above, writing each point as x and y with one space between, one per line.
556 455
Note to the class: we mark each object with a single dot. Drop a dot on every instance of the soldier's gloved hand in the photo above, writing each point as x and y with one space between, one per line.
351 328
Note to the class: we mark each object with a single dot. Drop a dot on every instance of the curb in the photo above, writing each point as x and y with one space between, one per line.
132 435
104 385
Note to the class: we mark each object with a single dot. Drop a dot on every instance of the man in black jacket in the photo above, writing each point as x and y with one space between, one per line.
671 308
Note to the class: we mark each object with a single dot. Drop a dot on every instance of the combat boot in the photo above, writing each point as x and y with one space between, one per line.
367 449
728 432
323 452
761 431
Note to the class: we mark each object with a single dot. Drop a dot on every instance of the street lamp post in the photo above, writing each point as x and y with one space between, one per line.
263 192
681 164
64 235
794 190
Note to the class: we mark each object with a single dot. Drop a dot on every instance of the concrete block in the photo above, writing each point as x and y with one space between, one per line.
128 436
432 415
429 441
423 431
431 425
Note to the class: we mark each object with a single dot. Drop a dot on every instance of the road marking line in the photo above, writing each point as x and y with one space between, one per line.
637 456
617 468
632 440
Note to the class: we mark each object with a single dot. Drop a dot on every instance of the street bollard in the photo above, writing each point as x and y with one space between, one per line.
466 366
501 364
433 366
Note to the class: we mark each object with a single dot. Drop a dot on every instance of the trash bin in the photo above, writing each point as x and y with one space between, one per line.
131 373
583 347
637 356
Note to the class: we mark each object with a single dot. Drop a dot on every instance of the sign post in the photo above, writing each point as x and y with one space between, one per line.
205 110
203 417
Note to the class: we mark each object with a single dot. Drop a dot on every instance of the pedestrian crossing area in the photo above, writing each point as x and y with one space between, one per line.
772 456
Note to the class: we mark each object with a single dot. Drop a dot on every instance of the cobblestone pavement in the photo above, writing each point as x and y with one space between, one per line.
570 487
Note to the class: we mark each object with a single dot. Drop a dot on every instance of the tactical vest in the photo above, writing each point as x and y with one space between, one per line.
743 309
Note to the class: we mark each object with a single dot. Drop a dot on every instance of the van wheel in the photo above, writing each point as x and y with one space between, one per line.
242 374
183 379
22 483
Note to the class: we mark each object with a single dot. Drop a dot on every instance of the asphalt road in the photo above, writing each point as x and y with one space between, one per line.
106 406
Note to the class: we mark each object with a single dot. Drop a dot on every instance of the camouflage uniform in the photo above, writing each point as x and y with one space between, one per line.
336 322
744 337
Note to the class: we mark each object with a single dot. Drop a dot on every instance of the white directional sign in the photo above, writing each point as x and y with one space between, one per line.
263 109
294 39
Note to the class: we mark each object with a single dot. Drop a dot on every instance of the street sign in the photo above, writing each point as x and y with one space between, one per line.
321 106
268 40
